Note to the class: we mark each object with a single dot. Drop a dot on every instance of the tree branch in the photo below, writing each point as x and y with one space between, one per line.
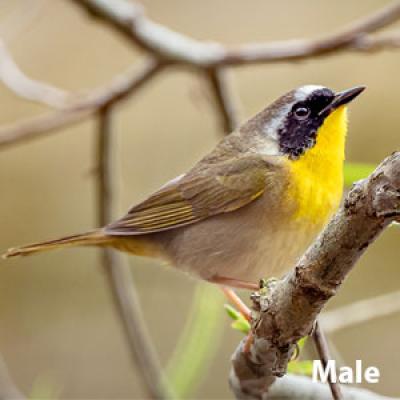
129 20
289 310
119 89
360 311
322 348
225 99
167 46
120 280
28 88
294 387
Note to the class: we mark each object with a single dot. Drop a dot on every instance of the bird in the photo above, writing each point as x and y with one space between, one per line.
248 209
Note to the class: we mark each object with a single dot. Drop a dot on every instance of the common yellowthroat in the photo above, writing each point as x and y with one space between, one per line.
251 207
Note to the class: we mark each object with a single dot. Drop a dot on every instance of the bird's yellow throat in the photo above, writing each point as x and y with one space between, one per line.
317 176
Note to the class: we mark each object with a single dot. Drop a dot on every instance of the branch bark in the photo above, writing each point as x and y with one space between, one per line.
289 310
129 20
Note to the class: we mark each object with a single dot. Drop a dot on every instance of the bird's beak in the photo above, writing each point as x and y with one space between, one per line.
342 98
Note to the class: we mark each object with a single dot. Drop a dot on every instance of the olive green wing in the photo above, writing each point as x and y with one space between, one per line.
205 191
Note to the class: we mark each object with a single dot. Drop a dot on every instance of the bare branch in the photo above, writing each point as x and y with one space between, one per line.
293 387
118 14
165 44
360 312
130 20
28 88
225 99
289 310
120 88
119 278
381 42
354 38
322 348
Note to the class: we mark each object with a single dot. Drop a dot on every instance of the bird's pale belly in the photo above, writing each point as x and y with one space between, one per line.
248 257
261 240
251 243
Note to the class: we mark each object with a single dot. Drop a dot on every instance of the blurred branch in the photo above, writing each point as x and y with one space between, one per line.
322 348
120 88
169 47
118 273
8 389
360 312
28 88
129 19
294 387
225 99
390 40
289 309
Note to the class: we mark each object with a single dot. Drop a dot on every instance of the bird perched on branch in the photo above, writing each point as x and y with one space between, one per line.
251 207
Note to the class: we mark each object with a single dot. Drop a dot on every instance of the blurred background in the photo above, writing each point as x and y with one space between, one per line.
59 334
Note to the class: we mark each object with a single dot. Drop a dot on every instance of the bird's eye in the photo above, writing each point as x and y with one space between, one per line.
302 112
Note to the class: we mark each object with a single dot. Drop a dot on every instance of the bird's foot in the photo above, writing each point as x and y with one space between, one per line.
268 283
265 286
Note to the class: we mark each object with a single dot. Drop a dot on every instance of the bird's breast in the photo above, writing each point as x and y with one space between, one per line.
316 178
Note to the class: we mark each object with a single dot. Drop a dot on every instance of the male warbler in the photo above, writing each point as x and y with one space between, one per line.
251 207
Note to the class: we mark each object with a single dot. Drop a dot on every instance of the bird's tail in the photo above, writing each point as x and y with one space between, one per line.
94 238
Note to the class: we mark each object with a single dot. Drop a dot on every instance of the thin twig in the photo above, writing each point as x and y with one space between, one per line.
166 45
390 40
225 99
129 19
360 312
27 88
324 355
120 280
120 88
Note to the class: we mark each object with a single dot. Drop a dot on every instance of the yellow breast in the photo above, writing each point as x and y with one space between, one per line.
316 182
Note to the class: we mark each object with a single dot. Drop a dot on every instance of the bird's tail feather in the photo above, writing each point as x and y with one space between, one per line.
96 237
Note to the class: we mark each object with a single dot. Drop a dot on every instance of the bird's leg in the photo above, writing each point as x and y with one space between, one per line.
237 302
322 348
243 309
233 298
247 344
236 283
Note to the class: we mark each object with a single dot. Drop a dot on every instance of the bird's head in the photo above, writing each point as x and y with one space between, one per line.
294 123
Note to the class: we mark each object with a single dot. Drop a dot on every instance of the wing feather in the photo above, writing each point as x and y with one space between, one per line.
203 192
